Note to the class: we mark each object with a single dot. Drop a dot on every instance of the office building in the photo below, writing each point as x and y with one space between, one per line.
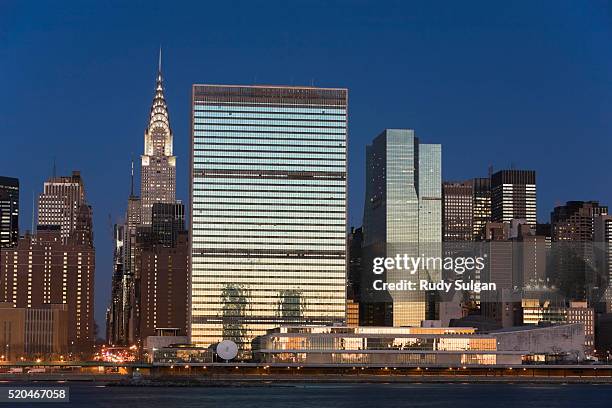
45 268
9 211
402 215
115 318
60 202
457 211
602 235
268 210
481 205
168 220
574 221
355 269
158 164
513 196
31 333
573 252
530 258
161 280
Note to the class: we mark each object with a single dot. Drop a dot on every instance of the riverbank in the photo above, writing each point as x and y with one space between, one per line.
286 380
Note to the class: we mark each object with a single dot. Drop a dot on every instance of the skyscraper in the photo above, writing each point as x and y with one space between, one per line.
115 318
151 268
167 222
574 221
268 199
574 271
603 256
403 212
163 273
481 206
458 211
513 196
158 165
60 202
9 211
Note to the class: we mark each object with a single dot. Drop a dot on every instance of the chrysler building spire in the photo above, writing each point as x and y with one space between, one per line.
158 183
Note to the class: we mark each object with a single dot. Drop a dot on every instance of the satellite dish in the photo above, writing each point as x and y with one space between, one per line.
227 350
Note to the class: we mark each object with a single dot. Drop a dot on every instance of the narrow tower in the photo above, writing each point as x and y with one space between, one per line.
158 171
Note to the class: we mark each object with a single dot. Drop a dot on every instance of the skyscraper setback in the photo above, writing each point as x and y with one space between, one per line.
158 171
268 200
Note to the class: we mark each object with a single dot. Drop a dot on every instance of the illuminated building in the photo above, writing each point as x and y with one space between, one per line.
151 272
573 221
268 218
9 211
574 251
33 332
481 206
603 243
457 211
402 215
46 269
513 196
158 164
414 346
60 202
161 280
537 312
352 313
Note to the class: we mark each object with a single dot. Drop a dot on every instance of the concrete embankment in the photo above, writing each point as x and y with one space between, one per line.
242 380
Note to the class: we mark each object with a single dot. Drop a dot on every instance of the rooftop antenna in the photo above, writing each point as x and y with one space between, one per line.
53 172
160 59
490 170
132 179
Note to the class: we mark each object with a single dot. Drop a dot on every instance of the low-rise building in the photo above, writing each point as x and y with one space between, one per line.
164 337
537 312
181 354
33 332
414 346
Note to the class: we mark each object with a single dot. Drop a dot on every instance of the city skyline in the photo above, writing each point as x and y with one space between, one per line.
129 90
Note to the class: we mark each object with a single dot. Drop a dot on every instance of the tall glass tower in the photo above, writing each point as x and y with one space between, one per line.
268 200
402 215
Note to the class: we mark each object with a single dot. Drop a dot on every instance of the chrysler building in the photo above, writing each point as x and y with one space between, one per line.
158 171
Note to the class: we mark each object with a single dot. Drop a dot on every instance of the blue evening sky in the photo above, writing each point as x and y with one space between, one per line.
497 83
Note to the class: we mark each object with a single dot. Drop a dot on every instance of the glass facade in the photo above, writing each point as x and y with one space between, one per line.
268 219
403 215
379 346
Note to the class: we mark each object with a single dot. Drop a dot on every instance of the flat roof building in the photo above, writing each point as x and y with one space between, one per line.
268 219
412 346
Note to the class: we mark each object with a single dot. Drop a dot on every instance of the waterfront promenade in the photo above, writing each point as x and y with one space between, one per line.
248 374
